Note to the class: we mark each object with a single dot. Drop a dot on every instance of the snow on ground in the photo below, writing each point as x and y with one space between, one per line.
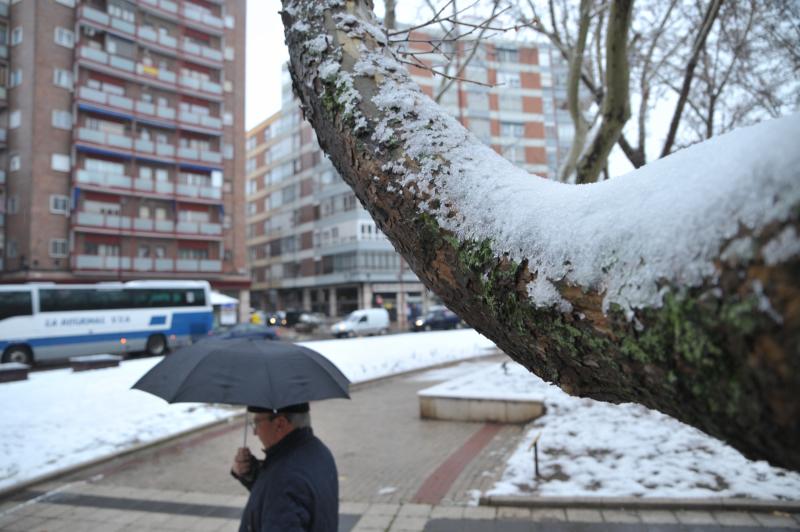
591 448
59 418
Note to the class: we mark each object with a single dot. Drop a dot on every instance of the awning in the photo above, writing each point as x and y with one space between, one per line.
222 299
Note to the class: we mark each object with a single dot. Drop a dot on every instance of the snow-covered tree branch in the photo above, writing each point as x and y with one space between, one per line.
675 286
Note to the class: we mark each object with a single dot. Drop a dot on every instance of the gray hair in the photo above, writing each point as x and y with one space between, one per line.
298 419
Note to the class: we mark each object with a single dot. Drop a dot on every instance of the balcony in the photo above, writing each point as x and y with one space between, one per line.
198 265
196 84
155 111
200 120
102 262
103 98
199 228
160 74
125 225
107 21
166 6
145 264
200 18
162 39
200 51
204 156
100 179
99 56
105 139
196 191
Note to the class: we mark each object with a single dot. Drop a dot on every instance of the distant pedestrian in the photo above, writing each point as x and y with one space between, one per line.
296 487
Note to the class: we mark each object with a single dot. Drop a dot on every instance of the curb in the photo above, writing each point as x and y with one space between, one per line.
7 492
641 503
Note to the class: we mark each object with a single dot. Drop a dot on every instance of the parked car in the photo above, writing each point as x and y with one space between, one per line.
437 319
362 322
243 330
308 321
276 319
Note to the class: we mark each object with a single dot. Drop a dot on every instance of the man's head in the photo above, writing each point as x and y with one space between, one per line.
272 425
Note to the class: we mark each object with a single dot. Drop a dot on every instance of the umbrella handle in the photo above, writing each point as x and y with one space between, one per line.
244 443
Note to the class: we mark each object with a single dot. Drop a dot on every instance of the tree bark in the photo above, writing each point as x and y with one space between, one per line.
700 42
720 354
615 109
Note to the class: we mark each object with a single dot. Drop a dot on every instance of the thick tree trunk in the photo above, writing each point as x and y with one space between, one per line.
714 344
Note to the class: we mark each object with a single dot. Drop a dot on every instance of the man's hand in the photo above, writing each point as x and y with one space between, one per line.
242 462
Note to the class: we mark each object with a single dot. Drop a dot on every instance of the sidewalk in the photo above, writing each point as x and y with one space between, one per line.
397 472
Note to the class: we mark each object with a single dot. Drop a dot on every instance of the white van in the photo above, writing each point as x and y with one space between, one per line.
362 322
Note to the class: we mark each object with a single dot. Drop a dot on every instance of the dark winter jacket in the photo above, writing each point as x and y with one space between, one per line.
295 488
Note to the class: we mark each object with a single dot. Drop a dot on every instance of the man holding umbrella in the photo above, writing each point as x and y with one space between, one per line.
296 486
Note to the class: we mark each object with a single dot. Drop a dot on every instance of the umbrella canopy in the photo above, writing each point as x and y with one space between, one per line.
246 371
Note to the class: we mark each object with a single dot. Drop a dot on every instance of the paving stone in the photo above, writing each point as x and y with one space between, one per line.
544 515
620 516
382 509
480 512
695 517
776 520
735 519
353 508
584 515
510 512
415 510
658 517
408 524
447 512
375 521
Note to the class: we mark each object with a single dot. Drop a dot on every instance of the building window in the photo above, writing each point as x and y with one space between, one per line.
11 250
227 119
59 247
60 162
15 78
62 78
16 36
512 129
12 205
68 3
13 163
62 119
230 22
59 204
65 37
14 119
507 55
251 143
508 79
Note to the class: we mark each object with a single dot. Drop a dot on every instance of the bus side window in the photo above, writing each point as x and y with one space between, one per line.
15 304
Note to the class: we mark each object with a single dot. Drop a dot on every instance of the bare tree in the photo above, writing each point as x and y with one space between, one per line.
711 341
728 63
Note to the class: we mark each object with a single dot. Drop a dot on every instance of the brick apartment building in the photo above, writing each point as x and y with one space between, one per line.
311 245
123 157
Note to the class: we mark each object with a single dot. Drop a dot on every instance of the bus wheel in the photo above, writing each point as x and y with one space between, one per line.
156 345
18 353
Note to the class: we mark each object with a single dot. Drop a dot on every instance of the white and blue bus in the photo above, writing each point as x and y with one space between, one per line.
47 322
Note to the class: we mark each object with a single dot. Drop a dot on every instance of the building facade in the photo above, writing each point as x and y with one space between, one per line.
124 156
311 245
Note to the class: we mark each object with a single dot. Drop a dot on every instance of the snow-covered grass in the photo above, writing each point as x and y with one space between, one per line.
591 448
59 418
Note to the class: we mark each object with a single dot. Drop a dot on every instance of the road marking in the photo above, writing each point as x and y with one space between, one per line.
439 482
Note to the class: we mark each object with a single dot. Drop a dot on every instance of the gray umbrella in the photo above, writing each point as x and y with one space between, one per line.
245 371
